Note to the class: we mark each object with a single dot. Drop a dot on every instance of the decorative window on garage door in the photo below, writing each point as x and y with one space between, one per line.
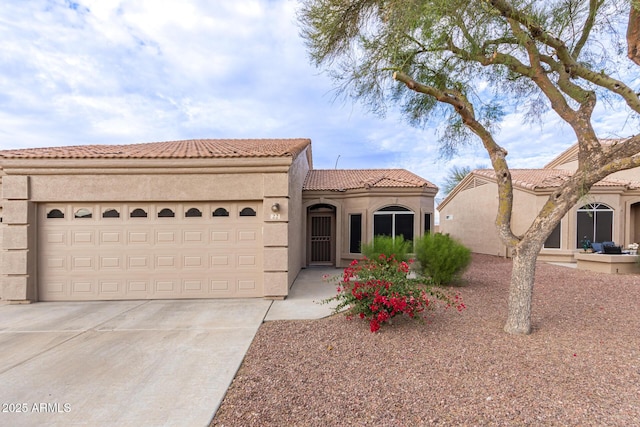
221 212
55 213
247 212
166 213
83 213
138 213
111 213
193 213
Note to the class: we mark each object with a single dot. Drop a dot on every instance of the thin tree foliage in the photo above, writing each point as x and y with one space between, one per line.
464 64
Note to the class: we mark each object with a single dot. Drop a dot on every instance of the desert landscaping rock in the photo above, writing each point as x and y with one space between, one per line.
579 367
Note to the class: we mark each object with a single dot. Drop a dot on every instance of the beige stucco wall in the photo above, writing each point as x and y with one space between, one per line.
366 202
472 213
470 218
267 181
297 233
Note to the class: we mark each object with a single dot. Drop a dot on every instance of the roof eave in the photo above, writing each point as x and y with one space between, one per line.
133 166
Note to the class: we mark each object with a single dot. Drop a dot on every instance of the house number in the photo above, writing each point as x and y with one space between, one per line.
275 216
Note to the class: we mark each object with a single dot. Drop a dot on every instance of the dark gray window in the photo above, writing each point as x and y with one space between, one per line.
193 213
166 213
55 213
138 213
247 212
355 233
221 212
111 213
595 223
427 223
393 221
553 241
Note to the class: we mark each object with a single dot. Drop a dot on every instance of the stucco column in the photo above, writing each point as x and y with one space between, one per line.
276 235
276 247
18 242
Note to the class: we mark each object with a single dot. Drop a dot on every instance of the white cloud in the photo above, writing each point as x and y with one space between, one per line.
127 71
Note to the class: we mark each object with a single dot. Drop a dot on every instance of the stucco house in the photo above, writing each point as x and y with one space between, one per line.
189 219
610 212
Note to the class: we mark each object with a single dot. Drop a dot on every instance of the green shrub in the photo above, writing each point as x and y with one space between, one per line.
385 245
441 257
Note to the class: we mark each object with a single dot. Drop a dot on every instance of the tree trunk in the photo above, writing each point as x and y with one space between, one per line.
521 289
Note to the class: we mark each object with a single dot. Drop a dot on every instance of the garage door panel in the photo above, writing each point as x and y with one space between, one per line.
86 288
201 256
82 263
138 288
53 289
56 238
194 286
219 286
171 286
247 261
111 238
166 262
219 261
194 237
111 262
246 285
220 237
167 237
193 262
138 262
139 237
83 237
56 263
111 289
250 236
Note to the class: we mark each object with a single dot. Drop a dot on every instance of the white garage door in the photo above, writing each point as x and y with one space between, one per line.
113 251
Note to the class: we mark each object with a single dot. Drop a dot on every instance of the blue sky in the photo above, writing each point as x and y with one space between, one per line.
131 71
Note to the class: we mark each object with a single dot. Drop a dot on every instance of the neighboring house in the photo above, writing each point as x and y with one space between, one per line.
610 212
189 219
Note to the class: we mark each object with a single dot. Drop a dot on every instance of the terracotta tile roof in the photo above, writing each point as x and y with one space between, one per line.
195 148
349 179
535 179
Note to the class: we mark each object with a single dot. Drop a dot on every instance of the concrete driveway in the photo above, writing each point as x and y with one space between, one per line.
122 363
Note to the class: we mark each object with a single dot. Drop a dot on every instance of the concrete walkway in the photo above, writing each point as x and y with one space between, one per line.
309 289
135 363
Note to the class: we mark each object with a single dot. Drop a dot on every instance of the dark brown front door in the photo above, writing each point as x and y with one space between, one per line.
321 245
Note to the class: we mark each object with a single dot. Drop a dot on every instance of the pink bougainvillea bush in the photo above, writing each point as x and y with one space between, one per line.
380 289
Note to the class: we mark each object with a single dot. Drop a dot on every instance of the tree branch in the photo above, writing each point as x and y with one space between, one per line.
574 68
497 154
594 5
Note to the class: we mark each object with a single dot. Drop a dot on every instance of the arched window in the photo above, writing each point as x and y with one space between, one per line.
138 213
393 221
83 213
247 212
221 212
166 213
594 223
193 213
111 213
55 213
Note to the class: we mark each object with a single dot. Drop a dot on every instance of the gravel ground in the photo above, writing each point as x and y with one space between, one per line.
579 367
